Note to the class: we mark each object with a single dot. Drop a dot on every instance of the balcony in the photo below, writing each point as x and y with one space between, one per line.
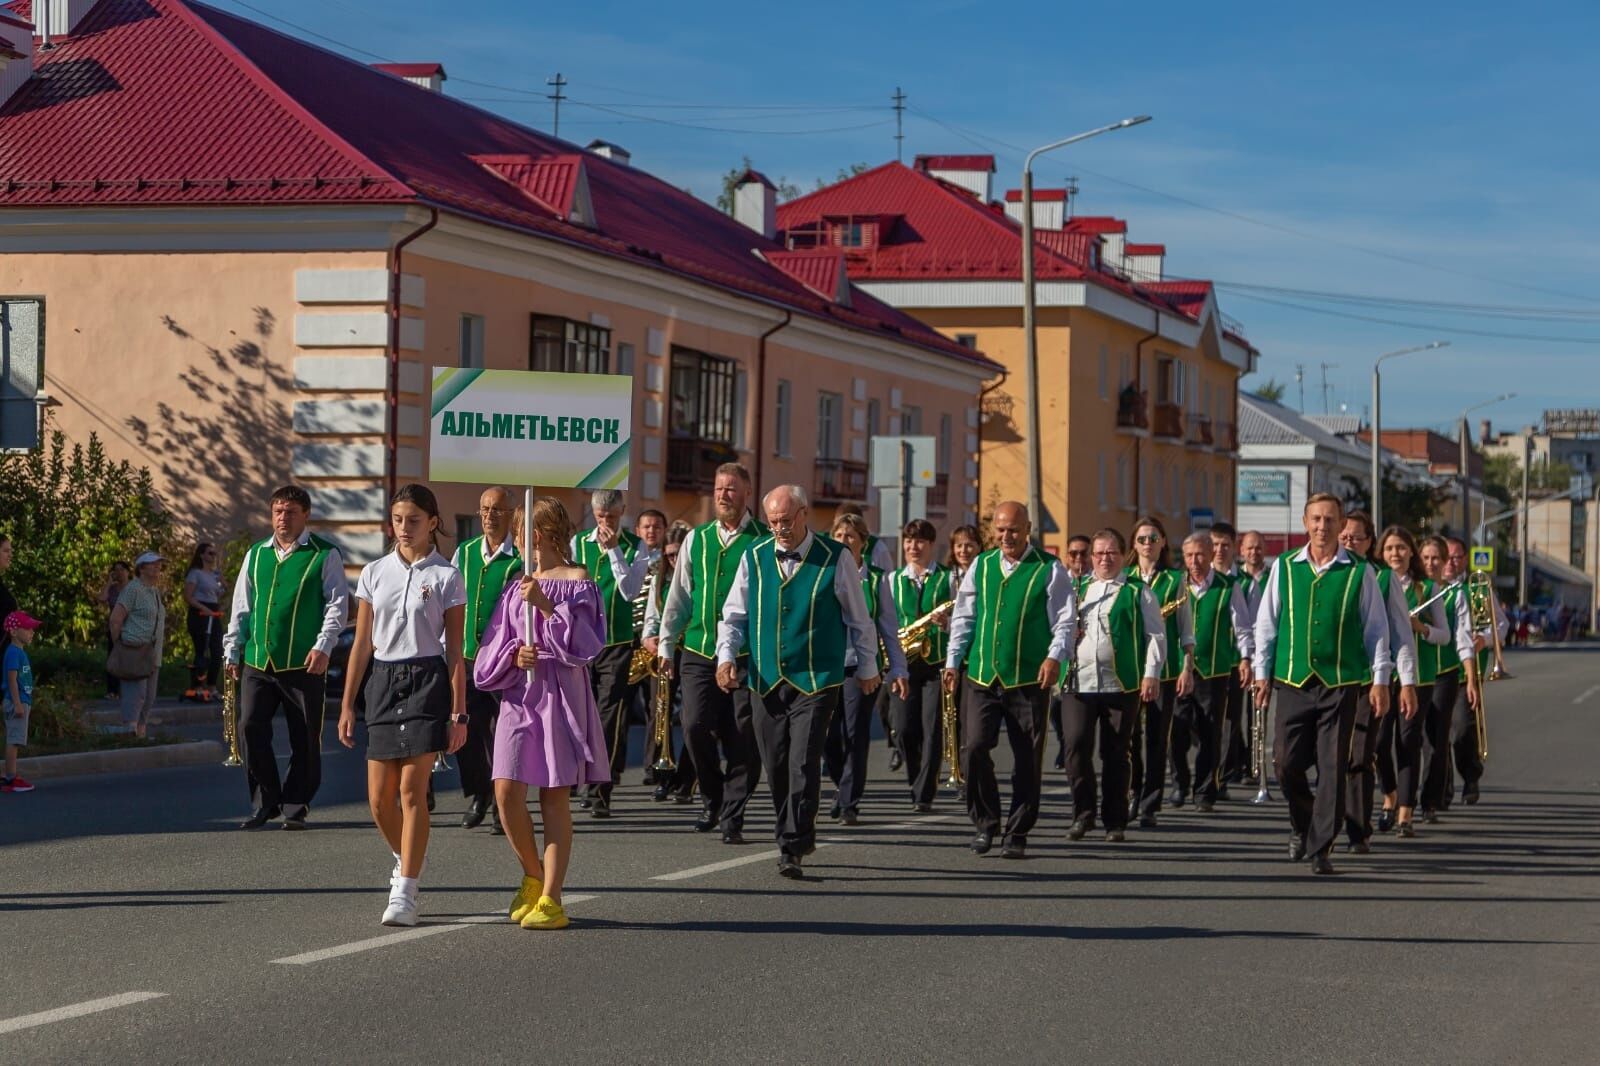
1200 433
1133 419
1168 422
839 480
939 493
692 464
1226 438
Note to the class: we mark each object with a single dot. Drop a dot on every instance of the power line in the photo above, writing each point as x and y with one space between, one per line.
1427 326
725 129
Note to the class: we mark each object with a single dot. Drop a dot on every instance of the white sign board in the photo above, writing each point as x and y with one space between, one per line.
886 472
890 520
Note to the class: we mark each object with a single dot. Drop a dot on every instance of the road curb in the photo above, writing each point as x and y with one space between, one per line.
172 714
121 760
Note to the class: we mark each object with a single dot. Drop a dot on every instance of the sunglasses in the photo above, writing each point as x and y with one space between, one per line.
1148 538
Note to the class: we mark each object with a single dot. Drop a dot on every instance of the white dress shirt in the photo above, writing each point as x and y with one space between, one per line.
887 617
1061 606
861 633
628 576
675 612
1435 628
408 603
335 597
1402 638
1374 619
1238 606
882 557
1094 661
1258 584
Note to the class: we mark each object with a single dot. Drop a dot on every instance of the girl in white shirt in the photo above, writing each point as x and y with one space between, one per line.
409 619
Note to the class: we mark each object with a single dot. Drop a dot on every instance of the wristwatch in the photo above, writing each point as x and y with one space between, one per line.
459 719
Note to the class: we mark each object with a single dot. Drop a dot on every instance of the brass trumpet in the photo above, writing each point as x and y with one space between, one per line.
916 639
951 747
661 724
641 666
230 720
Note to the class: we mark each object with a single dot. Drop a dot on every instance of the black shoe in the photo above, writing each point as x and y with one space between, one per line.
1385 820
896 760
705 823
260 818
1176 798
649 777
682 798
1321 864
495 828
1403 829
982 842
1444 803
1147 821
1360 847
1061 760
1222 792
1015 848
835 813
1206 806
1080 828
1115 836
600 809
922 808
789 866
661 793
431 800
1429 815
477 811
586 804
732 836
849 816
298 820
1297 846
1469 794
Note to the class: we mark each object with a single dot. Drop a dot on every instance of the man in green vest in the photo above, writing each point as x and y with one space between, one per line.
487 563
614 559
1011 628
1220 621
711 716
1079 549
795 606
1235 720
1321 634
289 605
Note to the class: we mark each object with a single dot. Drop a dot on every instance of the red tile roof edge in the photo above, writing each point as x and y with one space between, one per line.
954 162
1040 196
411 70
1145 249
12 20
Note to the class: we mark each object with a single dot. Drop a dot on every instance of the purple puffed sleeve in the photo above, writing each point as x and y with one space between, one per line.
495 669
574 633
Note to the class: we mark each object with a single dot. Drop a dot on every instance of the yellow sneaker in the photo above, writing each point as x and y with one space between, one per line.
546 914
528 894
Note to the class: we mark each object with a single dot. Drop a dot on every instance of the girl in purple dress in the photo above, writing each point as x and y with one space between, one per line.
549 735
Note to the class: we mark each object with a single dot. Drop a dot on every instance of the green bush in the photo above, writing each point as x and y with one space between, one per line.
56 721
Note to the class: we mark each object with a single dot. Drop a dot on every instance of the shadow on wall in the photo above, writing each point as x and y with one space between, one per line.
220 442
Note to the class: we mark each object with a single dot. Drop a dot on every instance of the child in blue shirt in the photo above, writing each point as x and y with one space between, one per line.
16 693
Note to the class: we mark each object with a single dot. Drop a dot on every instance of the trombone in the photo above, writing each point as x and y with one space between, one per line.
1481 608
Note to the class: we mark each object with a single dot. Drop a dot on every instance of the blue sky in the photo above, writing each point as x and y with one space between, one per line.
1424 152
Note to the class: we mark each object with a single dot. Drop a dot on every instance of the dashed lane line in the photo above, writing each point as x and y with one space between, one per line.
769 856
76 1010
1586 693
371 943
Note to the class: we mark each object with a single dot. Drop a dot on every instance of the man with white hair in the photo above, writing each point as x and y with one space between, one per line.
613 558
796 605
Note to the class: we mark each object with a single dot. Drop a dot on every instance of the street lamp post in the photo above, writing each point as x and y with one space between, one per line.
1465 441
1030 364
1377 426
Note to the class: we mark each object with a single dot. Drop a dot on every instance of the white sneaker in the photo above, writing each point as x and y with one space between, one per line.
402 909
394 874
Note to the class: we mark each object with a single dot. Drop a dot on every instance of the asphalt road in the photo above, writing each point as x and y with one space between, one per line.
1197 941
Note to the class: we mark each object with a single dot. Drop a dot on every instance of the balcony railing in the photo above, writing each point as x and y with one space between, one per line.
1199 431
1132 411
692 464
841 479
1168 422
1225 437
939 493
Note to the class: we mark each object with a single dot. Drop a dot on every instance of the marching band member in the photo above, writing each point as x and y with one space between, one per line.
1235 754
795 604
844 753
1358 537
1321 634
1077 556
613 558
546 630
1464 730
1118 624
1445 660
877 552
1406 586
966 544
707 563
1220 619
410 615
679 785
487 563
1011 628
1152 720
920 587
289 606
651 529
1252 569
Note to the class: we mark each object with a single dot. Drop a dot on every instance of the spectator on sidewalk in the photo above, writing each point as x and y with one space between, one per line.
16 694
116 580
140 619
202 592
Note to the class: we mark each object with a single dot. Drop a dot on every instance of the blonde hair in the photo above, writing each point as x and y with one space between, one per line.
550 521
854 523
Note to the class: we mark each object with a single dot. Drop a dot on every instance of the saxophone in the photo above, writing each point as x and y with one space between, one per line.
643 664
916 639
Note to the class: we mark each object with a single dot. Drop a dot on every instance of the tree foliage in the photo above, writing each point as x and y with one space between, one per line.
1272 390
787 190
1411 505
1502 477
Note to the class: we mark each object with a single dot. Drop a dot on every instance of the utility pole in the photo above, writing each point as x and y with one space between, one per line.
1325 385
560 83
1072 193
899 99
1300 379
1522 525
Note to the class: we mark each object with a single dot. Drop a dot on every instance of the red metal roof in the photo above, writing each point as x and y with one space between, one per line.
1040 196
1096 224
173 102
954 162
821 270
411 70
551 181
1146 249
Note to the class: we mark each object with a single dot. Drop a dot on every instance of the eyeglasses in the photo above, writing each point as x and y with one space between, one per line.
1148 538
1077 551
493 512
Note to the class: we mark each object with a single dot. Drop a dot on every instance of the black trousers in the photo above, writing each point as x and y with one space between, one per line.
1408 737
299 695
711 717
680 781
917 724
1366 733
1436 740
1022 710
844 753
790 728
1236 753
1464 738
1150 771
206 634
1313 731
475 760
1112 714
1197 723
1384 754
609 676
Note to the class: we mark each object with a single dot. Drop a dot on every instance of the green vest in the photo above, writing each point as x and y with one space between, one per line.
911 604
1216 647
1320 630
1434 660
286 603
1166 585
795 629
1011 619
710 579
618 608
1427 654
484 583
1125 620
871 588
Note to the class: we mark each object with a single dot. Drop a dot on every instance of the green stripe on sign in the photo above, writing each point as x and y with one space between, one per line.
611 474
450 384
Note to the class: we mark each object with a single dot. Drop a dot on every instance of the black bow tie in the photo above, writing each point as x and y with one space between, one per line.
793 557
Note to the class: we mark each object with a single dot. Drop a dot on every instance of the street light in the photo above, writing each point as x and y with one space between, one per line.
1466 454
1377 422
1030 365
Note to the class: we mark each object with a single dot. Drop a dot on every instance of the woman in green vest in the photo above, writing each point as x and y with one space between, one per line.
922 588
1448 676
1430 631
1359 537
1147 746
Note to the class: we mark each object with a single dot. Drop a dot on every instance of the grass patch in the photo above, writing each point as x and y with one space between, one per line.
99 742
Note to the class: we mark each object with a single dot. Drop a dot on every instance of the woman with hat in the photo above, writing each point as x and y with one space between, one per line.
139 622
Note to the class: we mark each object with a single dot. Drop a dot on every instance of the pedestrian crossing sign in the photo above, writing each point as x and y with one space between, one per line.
1482 558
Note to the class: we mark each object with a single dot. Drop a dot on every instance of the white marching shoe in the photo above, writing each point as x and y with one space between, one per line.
402 909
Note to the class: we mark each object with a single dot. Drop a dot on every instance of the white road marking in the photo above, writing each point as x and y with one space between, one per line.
370 943
76 1010
1586 693
769 856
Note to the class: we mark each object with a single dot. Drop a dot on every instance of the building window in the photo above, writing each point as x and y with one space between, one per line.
702 396
466 527
471 342
1579 533
784 404
874 417
1105 372
1169 380
967 340
1124 372
21 372
1100 477
946 432
625 359
560 345
1124 483
911 420
830 425
849 234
